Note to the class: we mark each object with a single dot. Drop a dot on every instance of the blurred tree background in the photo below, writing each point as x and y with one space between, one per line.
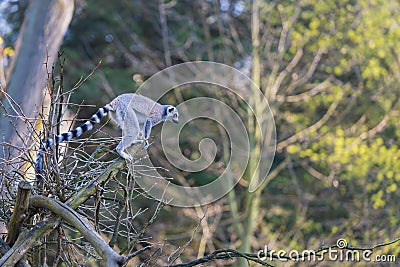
330 70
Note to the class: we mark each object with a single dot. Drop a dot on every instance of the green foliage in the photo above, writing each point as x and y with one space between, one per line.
354 154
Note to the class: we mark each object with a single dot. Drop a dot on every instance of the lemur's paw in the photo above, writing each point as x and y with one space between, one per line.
128 158
146 145
125 156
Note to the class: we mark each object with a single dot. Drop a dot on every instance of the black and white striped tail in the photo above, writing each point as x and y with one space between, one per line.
78 131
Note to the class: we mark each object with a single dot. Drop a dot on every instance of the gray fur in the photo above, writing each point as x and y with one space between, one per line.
131 112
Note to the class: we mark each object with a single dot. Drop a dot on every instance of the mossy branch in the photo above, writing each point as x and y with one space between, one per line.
28 239
25 241
111 257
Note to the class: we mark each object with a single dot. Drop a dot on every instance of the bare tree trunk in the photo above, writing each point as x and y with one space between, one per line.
253 198
42 32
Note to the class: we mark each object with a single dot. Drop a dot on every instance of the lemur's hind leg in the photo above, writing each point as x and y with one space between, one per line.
130 134
147 129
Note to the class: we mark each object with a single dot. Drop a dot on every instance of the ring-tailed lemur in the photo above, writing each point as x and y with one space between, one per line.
131 112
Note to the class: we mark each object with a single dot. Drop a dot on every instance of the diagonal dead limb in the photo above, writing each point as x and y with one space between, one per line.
111 257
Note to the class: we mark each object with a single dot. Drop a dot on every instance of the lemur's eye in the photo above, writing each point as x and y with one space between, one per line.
170 109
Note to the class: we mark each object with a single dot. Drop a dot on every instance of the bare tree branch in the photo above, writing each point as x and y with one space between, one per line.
303 133
20 208
230 254
78 222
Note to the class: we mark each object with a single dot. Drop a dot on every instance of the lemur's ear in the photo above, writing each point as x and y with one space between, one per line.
170 109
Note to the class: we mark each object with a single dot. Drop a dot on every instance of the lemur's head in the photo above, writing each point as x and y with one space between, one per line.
171 113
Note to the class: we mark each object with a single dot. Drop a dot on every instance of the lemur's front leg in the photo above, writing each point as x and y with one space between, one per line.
147 129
